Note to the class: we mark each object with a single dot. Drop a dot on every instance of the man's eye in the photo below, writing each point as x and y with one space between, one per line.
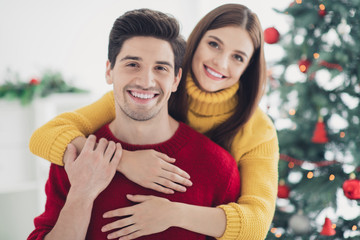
214 44
161 68
131 65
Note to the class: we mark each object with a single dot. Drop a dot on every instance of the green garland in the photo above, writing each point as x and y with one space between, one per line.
51 82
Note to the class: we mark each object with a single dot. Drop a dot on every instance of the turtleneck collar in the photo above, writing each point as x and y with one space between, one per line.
211 103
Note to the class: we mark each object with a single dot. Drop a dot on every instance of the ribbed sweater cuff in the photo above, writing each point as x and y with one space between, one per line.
233 222
58 147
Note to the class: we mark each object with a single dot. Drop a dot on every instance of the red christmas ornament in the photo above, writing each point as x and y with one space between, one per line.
319 135
283 190
34 81
351 189
322 13
327 228
304 65
271 35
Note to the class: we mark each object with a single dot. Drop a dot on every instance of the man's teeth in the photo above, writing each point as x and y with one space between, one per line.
142 95
215 74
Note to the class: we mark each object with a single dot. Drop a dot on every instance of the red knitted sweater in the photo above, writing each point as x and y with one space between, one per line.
213 172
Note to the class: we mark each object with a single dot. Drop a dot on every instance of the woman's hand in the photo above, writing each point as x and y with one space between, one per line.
151 215
154 170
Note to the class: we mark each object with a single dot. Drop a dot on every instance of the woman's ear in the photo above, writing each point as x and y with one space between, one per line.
176 81
108 73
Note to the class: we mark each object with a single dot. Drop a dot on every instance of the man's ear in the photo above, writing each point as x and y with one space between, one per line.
176 81
108 73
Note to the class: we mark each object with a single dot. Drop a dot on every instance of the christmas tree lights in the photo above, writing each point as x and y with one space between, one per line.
317 82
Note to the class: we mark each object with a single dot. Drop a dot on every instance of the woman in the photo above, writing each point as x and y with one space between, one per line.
222 83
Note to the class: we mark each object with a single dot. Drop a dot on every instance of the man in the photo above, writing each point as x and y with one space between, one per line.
145 53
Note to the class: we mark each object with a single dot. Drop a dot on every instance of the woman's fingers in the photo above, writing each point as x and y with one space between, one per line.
162 189
118 224
174 169
170 184
165 157
175 174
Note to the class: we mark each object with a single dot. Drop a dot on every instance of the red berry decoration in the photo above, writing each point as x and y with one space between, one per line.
271 35
351 189
34 81
304 65
283 191
322 13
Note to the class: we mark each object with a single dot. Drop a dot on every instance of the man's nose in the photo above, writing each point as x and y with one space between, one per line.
147 78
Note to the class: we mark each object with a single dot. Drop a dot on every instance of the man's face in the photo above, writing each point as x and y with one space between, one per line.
143 77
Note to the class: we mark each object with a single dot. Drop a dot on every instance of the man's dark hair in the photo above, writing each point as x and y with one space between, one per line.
147 23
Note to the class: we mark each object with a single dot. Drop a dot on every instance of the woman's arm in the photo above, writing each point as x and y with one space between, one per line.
50 140
249 218
156 214
147 168
256 150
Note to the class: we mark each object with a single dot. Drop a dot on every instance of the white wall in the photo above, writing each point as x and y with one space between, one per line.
71 36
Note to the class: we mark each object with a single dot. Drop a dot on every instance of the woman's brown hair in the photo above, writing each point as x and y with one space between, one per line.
252 81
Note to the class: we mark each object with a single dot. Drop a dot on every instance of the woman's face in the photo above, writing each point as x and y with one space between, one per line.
221 57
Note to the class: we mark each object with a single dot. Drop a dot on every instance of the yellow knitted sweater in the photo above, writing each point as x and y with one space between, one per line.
255 148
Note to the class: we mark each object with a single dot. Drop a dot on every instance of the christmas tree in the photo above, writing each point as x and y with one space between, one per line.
317 115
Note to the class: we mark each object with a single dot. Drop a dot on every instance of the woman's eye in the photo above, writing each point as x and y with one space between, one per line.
238 58
214 44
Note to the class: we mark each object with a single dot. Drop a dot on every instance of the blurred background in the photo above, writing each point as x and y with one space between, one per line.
62 43
72 36
52 60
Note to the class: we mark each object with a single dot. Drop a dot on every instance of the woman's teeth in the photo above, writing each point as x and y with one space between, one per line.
215 74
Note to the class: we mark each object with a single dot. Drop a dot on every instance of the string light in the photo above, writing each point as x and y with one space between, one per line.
333 225
332 177
342 134
292 112
316 55
273 230
310 175
302 68
354 228
291 164
298 1
278 235
322 7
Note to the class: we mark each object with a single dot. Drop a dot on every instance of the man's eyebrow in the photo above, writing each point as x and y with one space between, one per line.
218 39
129 57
